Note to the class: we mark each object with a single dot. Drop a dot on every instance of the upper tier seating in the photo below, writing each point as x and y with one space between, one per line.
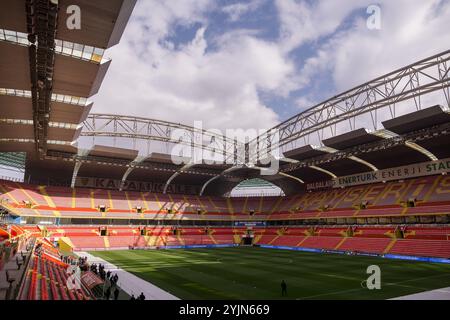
429 194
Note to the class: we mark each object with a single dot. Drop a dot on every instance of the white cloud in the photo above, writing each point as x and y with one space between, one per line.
305 103
236 10
157 18
411 30
303 21
149 77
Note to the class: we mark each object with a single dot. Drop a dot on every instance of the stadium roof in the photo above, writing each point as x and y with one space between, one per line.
49 73
351 139
111 152
304 152
102 26
420 119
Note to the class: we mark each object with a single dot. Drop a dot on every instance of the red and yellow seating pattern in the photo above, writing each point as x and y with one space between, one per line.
431 195
46 280
46 276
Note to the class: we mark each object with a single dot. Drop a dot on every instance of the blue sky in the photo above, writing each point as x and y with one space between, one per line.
252 64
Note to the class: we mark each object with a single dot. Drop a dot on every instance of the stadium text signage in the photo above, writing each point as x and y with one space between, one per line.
398 173
155 187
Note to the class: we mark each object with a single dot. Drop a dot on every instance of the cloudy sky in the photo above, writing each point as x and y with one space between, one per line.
254 63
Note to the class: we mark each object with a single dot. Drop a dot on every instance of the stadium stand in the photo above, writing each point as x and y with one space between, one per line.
429 196
380 200
410 240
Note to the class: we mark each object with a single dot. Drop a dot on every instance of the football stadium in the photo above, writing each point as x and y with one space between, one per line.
348 199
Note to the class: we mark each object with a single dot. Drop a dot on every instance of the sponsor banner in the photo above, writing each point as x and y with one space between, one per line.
290 248
388 256
154 187
414 258
333 251
439 260
310 250
320 185
249 223
171 247
405 172
198 246
365 254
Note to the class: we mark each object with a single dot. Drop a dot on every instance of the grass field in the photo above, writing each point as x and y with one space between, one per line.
256 273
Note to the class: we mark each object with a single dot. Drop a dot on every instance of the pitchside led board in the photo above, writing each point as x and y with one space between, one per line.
405 172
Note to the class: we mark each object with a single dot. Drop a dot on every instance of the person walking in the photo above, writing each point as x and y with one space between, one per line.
283 288
108 293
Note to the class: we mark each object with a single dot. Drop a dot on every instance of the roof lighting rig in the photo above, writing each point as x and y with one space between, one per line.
42 20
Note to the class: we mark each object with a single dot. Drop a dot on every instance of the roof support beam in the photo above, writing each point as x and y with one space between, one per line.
331 174
133 164
77 166
282 174
291 177
354 158
207 183
422 150
386 134
124 178
176 174
75 173
364 162
218 176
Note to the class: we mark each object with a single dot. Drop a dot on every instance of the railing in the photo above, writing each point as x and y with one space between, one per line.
6 219
11 179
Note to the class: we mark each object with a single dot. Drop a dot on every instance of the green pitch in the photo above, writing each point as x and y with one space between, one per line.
256 273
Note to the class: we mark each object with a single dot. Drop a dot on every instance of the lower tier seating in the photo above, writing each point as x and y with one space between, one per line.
46 280
429 248
430 241
372 245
